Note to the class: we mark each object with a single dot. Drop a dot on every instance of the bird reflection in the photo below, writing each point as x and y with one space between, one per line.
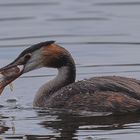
67 125
3 127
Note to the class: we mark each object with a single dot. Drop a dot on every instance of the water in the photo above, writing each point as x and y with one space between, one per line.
103 37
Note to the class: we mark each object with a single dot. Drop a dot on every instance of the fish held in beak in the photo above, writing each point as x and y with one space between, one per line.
8 74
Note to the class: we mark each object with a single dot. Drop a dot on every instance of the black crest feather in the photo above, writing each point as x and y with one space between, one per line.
35 47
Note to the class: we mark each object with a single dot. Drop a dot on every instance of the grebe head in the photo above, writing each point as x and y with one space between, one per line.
44 54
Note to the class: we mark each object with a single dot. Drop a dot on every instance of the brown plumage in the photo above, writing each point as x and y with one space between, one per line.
99 94
104 94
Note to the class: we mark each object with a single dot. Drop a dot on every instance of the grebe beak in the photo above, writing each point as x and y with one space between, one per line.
9 73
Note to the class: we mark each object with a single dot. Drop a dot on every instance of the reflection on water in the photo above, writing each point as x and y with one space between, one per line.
103 37
62 125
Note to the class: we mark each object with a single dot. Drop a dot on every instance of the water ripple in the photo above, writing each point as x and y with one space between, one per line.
111 65
75 43
79 19
15 18
136 3
57 35
28 4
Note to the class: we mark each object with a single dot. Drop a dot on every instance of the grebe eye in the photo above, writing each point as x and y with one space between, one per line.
27 57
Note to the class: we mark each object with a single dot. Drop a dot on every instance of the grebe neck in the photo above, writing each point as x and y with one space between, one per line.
66 75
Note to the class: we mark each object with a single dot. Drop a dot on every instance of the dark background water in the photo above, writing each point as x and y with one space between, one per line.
103 37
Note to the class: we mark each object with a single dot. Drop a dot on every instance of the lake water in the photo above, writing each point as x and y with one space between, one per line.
104 39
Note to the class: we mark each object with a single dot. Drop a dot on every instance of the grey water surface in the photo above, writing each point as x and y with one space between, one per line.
104 39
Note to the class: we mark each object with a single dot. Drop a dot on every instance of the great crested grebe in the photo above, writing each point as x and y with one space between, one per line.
97 94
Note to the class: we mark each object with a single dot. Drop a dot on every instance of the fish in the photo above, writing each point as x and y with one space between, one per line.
8 74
